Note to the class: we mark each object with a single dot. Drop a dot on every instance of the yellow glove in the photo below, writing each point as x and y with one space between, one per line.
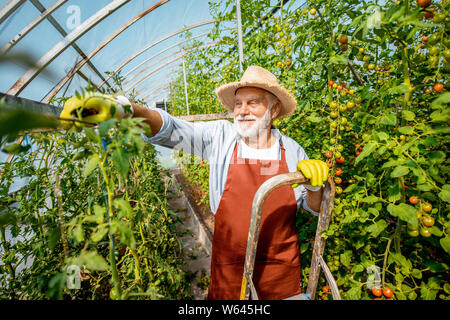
95 107
314 170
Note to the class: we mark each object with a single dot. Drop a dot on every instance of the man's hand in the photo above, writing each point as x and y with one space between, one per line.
314 170
95 107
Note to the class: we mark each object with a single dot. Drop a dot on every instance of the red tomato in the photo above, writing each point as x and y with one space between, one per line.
388 292
340 160
438 87
413 199
330 83
376 291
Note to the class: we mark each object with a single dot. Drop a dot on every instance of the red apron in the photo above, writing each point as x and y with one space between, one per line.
277 265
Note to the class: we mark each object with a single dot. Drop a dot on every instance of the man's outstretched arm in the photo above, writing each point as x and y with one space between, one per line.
152 117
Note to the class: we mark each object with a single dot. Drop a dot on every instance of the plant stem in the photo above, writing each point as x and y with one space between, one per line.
386 253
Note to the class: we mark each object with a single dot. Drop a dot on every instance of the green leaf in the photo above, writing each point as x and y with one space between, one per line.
314 117
125 210
353 294
78 233
125 233
53 236
442 99
121 161
351 187
440 116
91 260
376 228
445 243
399 171
105 126
401 261
445 193
402 88
394 193
416 273
406 130
368 149
7 218
98 216
346 258
389 120
408 115
91 164
436 157
338 59
404 212
370 199
99 234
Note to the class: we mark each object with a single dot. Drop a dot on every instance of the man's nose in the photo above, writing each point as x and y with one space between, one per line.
244 109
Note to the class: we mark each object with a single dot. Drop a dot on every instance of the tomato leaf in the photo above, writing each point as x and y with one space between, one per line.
376 228
445 243
121 161
389 120
408 115
91 260
399 171
368 149
404 212
99 234
91 164
445 193
346 257
442 99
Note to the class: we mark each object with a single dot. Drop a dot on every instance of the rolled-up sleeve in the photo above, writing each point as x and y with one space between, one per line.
194 138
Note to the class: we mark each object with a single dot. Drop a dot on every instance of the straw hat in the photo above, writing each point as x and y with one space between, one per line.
258 77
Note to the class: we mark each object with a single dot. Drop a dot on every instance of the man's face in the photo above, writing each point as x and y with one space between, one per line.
251 113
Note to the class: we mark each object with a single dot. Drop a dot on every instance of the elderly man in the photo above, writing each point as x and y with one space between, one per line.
242 155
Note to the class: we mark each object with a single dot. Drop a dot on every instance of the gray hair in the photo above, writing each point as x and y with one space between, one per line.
271 98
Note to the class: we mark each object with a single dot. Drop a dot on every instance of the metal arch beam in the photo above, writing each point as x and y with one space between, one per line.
165 57
31 26
155 55
160 52
58 27
153 44
148 74
48 57
143 89
158 88
9 8
80 64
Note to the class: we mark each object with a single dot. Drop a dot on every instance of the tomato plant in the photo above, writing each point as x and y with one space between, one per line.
371 81
94 200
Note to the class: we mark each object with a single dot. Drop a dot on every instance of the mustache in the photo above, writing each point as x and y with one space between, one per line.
248 117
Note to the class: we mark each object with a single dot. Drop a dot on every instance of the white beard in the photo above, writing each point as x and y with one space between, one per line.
255 128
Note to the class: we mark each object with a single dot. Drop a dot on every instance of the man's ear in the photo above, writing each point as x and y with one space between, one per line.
275 110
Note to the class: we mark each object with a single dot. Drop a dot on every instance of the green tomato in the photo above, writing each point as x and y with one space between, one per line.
439 17
433 39
425 232
113 294
413 233
434 51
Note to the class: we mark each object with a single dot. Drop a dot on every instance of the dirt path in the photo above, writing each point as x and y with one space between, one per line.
197 259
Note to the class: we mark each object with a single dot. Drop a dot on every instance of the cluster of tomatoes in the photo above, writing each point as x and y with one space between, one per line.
426 221
379 293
